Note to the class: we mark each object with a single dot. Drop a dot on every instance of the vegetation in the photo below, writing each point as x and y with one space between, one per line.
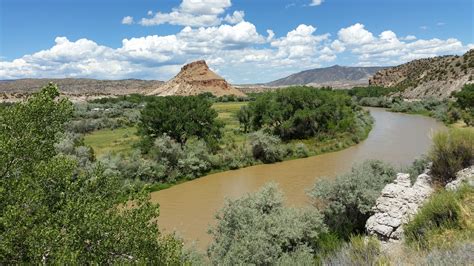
180 118
53 211
465 101
440 216
346 202
451 151
258 229
301 113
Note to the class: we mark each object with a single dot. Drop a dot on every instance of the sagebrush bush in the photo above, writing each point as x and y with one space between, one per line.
347 200
259 230
452 151
266 147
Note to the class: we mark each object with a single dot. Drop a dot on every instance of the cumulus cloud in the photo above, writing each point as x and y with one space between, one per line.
127 20
195 14
388 49
316 2
238 51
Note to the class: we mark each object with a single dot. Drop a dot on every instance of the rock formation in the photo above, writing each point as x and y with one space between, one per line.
434 77
398 202
196 78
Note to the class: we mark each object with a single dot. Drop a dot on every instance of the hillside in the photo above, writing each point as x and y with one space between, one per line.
336 76
72 87
196 78
430 77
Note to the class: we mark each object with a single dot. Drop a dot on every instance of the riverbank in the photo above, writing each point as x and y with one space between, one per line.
395 138
234 146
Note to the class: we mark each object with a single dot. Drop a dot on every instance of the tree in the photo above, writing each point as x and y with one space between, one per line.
179 117
54 212
244 115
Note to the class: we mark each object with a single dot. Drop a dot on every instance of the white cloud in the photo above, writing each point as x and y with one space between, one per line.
388 49
195 13
236 17
149 13
440 24
316 2
238 51
423 27
409 38
355 35
127 20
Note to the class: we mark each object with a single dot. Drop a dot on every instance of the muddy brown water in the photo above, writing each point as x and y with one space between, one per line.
189 208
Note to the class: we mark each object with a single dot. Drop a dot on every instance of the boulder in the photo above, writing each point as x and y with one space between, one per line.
398 202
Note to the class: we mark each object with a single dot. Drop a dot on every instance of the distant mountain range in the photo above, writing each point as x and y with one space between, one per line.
329 76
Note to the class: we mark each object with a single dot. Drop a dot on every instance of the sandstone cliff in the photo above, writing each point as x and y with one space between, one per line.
196 78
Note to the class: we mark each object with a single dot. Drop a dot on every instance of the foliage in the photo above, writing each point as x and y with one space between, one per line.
346 202
370 91
28 130
258 229
266 147
53 212
301 112
179 117
452 151
465 97
442 212
465 101
358 251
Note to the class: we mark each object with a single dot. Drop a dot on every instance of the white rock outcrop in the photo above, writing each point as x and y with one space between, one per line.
398 202
463 176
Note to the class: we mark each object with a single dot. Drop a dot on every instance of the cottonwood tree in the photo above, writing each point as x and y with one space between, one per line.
181 118
54 212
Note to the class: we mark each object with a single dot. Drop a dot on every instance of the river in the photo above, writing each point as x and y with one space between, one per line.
189 208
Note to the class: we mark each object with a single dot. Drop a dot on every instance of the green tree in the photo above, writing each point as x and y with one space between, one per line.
54 212
179 117
245 117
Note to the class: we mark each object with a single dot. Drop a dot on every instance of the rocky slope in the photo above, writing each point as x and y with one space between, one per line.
335 76
431 77
196 78
77 88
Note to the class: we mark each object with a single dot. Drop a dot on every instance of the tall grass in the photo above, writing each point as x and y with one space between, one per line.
452 151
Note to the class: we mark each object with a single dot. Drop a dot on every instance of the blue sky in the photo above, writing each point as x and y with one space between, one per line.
245 41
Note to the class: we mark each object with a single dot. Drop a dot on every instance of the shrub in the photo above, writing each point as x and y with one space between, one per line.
266 147
346 201
442 211
301 151
258 229
452 151
358 251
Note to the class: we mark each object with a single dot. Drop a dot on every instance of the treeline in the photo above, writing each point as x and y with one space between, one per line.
447 111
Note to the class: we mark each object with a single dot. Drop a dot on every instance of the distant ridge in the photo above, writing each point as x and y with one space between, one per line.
77 87
435 77
329 76
196 78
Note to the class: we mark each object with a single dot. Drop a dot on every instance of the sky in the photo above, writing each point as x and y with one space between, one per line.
245 41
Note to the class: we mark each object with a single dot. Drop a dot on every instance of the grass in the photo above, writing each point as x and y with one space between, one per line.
120 140
444 221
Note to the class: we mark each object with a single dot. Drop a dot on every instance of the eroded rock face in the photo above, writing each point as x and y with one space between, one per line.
464 176
196 78
398 202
